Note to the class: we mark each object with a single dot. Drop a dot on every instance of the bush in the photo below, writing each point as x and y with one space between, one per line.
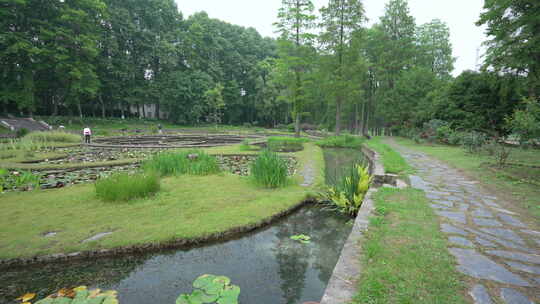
443 133
21 132
53 136
124 186
193 162
269 170
455 138
474 141
286 144
342 141
348 194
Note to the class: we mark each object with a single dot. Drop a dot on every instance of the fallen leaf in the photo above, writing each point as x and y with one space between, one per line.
26 297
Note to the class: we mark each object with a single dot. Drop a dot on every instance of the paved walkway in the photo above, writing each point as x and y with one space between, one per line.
494 248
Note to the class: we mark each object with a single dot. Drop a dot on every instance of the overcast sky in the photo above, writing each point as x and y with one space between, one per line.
460 15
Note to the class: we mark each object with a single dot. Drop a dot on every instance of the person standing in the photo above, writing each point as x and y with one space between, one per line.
160 129
87 133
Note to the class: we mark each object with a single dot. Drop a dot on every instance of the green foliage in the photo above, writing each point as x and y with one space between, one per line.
21 132
474 141
348 193
211 289
194 162
269 170
525 123
3 176
286 144
20 180
342 141
125 186
53 137
302 238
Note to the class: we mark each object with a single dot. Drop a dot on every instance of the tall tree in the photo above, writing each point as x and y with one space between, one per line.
341 20
435 48
296 20
515 45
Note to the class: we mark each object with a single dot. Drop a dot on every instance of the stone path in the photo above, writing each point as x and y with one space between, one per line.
309 174
499 253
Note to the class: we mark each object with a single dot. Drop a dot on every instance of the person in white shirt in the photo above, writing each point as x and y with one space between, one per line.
87 133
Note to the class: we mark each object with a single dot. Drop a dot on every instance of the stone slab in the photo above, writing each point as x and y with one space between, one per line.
453 216
447 228
510 220
480 212
524 267
505 234
512 296
457 240
485 243
486 222
97 237
479 266
480 295
523 257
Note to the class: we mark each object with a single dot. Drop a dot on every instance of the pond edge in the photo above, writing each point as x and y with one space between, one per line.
342 285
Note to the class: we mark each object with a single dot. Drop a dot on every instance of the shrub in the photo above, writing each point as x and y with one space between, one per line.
125 186
443 133
269 170
342 141
348 193
286 144
21 132
193 162
473 141
455 138
53 136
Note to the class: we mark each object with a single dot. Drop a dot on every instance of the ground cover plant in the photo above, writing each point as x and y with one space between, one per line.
184 208
53 136
286 144
342 141
126 186
517 181
392 161
269 170
194 162
405 256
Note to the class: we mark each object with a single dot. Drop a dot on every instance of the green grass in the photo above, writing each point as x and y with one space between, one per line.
269 170
342 141
186 207
392 161
125 186
53 136
194 162
287 144
405 257
522 195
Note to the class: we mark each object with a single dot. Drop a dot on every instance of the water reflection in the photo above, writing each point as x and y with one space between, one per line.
269 267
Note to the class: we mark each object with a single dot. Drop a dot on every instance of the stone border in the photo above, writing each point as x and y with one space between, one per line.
342 285
154 247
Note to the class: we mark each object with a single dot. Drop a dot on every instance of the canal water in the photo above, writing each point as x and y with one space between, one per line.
267 264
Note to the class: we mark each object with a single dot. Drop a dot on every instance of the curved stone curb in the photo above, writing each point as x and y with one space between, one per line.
342 285
152 247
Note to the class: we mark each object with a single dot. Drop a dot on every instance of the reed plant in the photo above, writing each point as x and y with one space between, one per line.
286 144
125 186
269 170
193 162
53 137
342 141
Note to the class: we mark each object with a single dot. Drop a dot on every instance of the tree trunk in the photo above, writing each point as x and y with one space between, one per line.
55 106
79 109
338 115
102 106
297 125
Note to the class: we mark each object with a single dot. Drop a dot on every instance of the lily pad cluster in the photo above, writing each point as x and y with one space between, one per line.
79 295
211 289
302 238
241 164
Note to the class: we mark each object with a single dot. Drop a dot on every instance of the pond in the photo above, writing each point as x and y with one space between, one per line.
268 266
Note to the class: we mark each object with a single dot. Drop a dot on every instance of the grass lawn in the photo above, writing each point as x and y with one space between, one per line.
405 257
186 207
392 161
505 183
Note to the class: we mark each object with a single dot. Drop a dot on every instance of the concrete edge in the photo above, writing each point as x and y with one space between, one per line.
342 285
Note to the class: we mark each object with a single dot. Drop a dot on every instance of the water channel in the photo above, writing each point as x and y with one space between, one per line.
269 267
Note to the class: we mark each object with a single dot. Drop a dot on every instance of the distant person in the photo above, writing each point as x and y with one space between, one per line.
62 128
87 133
160 127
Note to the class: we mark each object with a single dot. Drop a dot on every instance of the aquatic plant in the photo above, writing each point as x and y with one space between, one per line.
342 141
302 238
125 186
347 195
79 295
211 289
286 144
194 162
53 136
269 170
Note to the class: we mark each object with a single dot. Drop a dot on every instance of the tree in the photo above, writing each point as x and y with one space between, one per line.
526 122
341 20
515 45
215 104
435 49
296 20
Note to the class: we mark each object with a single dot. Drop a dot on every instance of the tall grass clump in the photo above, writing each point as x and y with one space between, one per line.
286 144
342 141
53 136
194 162
348 193
125 186
269 170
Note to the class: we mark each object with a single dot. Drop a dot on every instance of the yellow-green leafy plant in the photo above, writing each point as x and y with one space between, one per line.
79 295
348 194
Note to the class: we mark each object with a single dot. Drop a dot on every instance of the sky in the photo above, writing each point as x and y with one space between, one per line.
460 15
